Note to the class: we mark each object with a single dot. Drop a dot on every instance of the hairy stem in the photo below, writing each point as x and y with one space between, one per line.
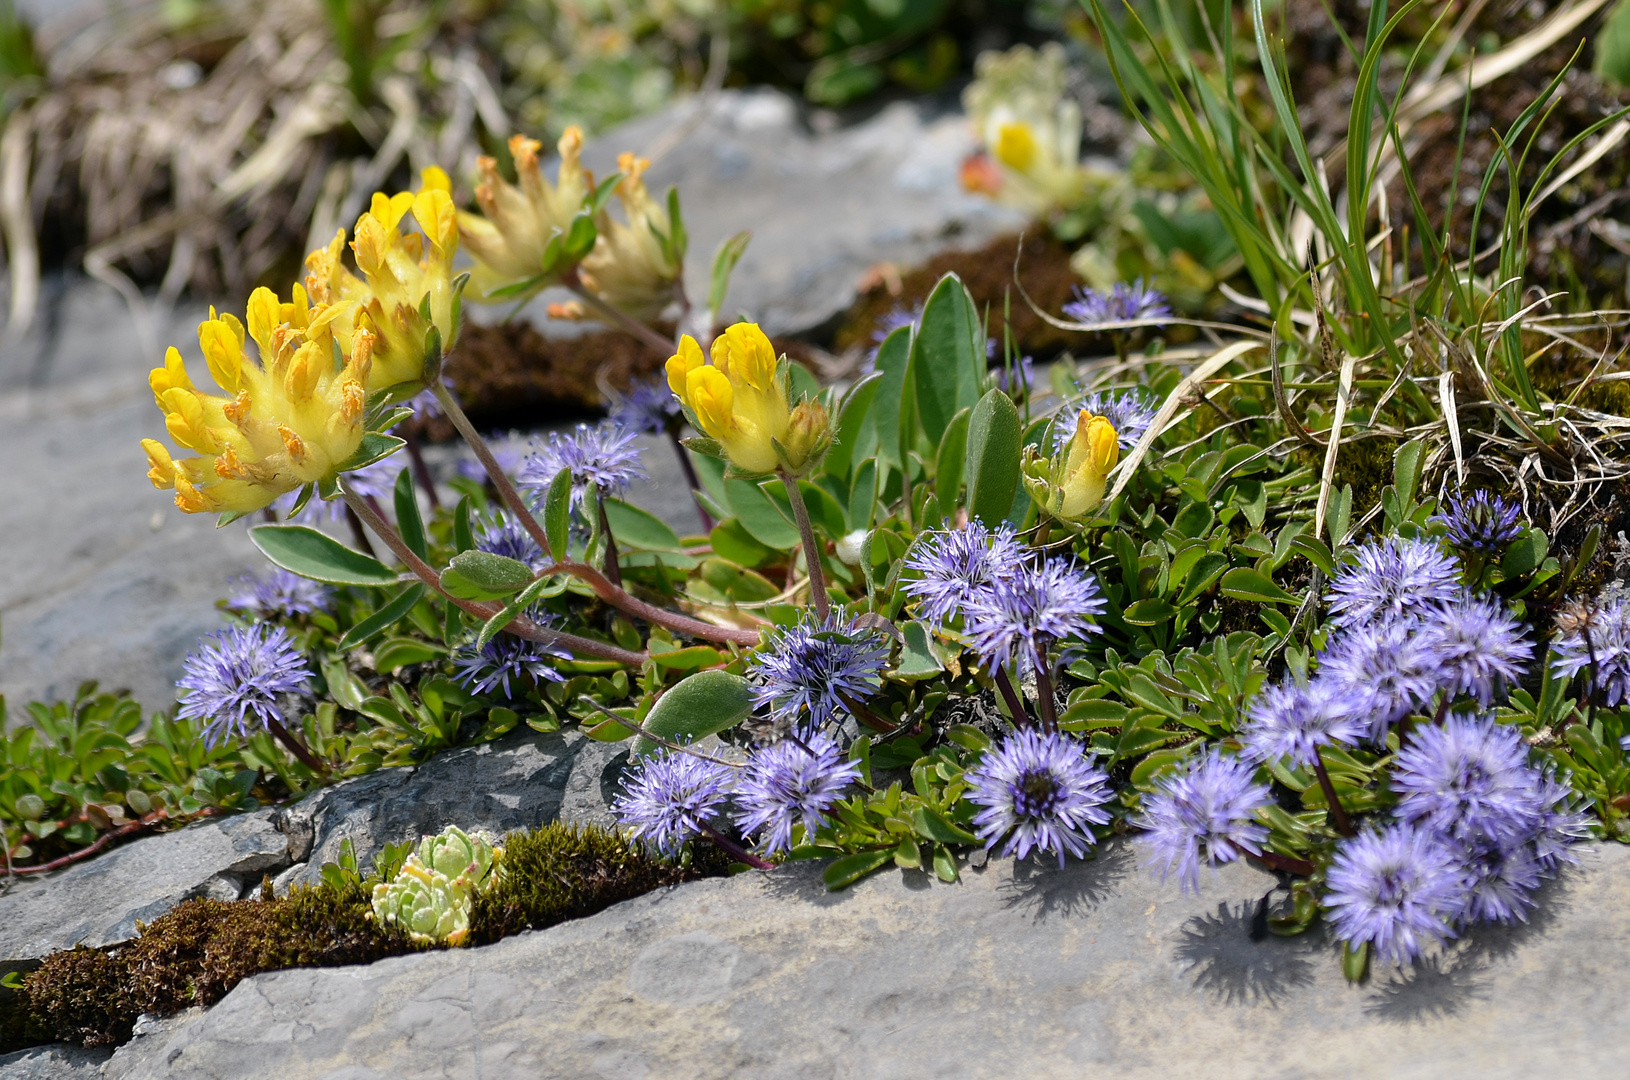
619 319
506 490
695 481
812 550
1015 703
520 626
297 748
1337 813
735 850
633 605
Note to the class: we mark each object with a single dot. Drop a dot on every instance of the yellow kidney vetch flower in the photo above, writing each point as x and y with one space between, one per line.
1070 485
404 277
632 267
1032 131
291 417
740 402
510 235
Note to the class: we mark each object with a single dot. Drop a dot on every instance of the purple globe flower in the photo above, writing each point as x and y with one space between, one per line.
788 783
1481 522
1294 721
491 667
1011 620
1122 303
1206 809
1469 779
954 562
1379 673
649 406
603 456
1561 822
803 672
1500 881
1479 647
1397 889
669 797
1041 792
279 593
1127 412
1393 578
233 678
1602 640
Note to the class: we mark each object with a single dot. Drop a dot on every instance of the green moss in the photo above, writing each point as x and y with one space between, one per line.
562 872
80 995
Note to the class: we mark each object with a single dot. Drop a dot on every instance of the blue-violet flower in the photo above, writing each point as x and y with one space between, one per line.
788 783
1039 791
1206 809
233 678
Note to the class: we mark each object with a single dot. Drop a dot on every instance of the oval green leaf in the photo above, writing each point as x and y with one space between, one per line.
1247 583
701 705
303 550
993 457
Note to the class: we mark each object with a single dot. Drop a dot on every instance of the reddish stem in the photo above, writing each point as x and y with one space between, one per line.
735 850
105 839
297 748
1289 864
1337 813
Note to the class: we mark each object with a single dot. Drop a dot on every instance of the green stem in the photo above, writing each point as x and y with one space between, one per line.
812 551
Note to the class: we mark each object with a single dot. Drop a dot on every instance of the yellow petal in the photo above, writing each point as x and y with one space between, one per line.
752 357
433 210
185 422
223 352
682 363
1016 146
172 375
435 178
160 465
710 394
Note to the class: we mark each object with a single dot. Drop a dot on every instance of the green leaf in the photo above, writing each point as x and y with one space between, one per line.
408 521
398 652
1407 463
601 195
993 457
724 264
947 357
932 825
1150 612
892 408
856 437
917 659
838 80
1355 961
687 659
374 447
851 868
383 619
759 515
463 534
557 514
1525 554
698 706
952 460
311 554
1246 583
481 575
634 528
1612 62
732 542
525 287
580 237
678 237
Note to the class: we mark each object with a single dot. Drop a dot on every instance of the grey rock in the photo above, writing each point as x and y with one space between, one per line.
519 781
1093 970
98 902
53 1063
149 1041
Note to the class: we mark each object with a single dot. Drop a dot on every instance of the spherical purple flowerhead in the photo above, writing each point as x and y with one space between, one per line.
1041 792
954 562
887 323
1602 641
1207 809
603 456
1397 889
233 678
1293 721
279 593
1380 673
803 672
1127 412
1479 646
1392 578
1469 779
788 783
1500 881
1012 620
1123 303
1562 823
506 657
669 796
507 537
648 406
1481 522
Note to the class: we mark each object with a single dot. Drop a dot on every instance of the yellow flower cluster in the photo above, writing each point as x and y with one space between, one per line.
509 242
740 402
1070 485
632 267
289 419
1031 130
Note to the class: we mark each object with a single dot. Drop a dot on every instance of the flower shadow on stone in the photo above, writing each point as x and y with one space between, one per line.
1446 983
1235 968
1040 887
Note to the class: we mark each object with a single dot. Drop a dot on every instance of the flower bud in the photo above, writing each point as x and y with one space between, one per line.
1070 484
808 436
740 399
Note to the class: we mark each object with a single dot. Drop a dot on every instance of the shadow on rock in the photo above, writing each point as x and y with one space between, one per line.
1078 888
1235 966
1443 985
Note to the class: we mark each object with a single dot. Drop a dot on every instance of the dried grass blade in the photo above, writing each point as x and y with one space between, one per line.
16 217
1344 390
1451 417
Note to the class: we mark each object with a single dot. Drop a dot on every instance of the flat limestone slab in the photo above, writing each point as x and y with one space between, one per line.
1096 970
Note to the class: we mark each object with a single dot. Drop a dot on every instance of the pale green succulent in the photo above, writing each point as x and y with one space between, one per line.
430 906
468 862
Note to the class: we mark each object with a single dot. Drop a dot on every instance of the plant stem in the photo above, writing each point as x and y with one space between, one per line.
1337 813
866 716
619 319
632 605
105 839
297 748
1274 861
358 534
1015 703
421 471
695 481
734 849
614 572
812 551
520 626
506 490
1044 693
